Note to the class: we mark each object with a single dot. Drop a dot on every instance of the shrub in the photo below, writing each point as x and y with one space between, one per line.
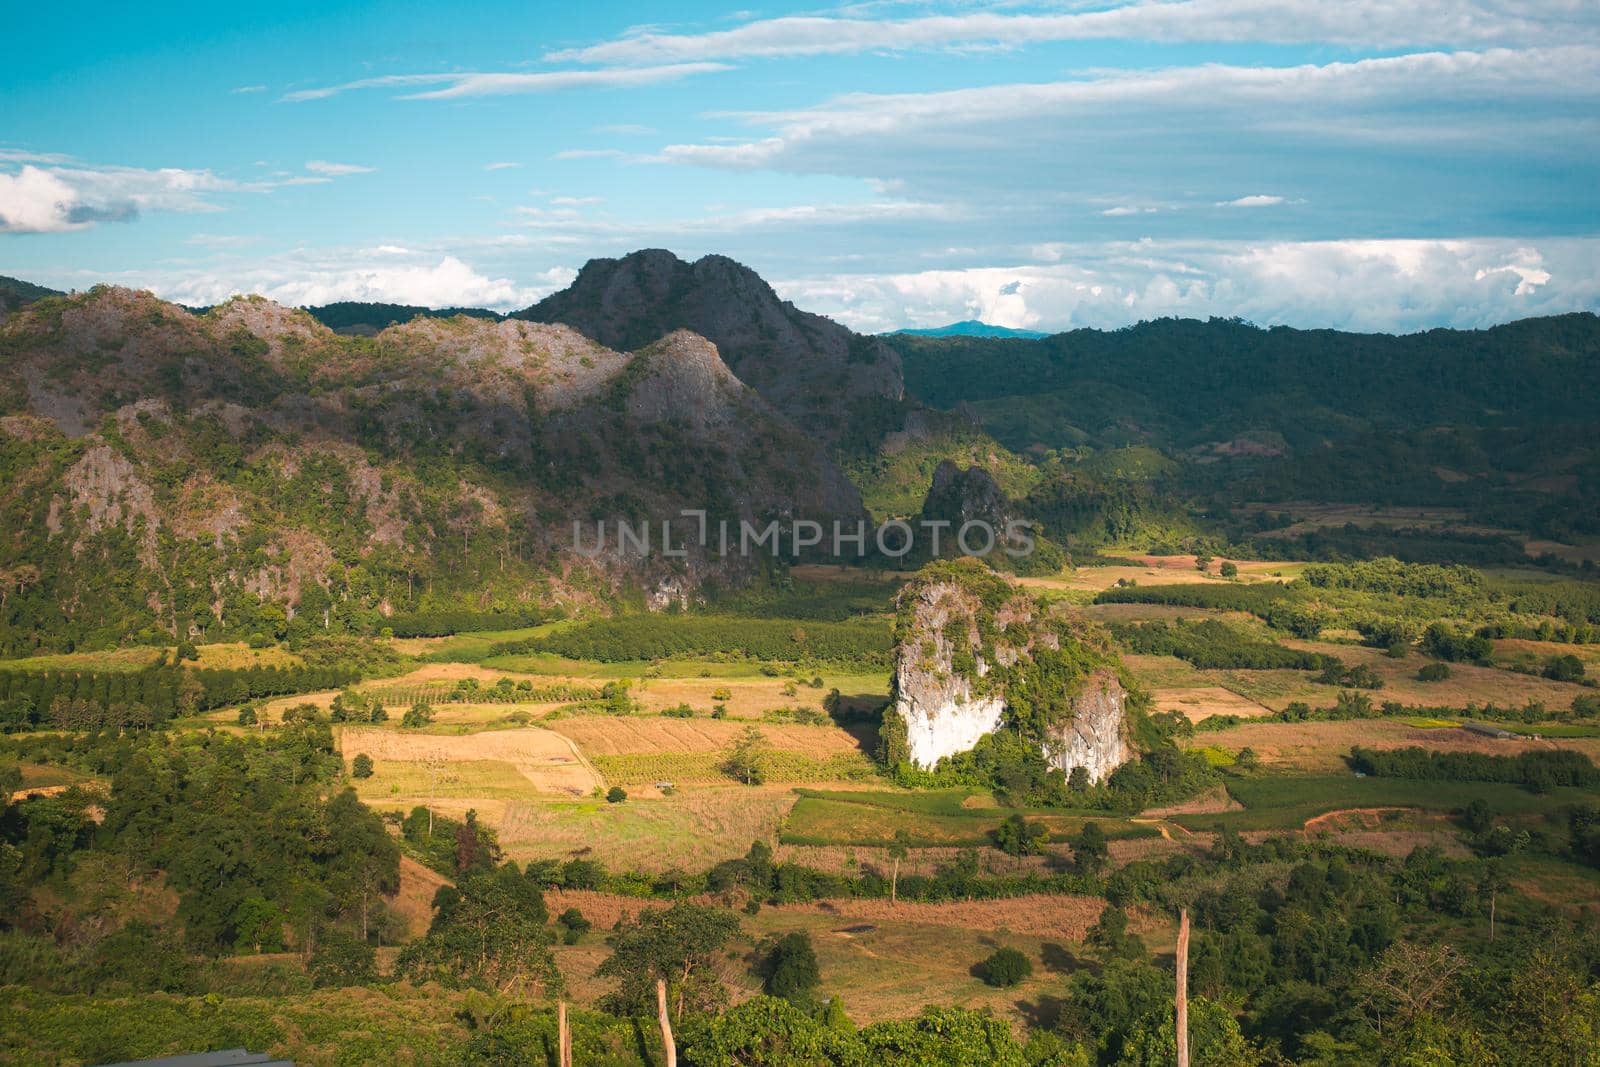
789 969
1434 672
1005 968
361 766
1017 836
616 795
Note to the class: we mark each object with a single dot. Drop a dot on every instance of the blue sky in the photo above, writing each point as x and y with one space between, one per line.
1361 164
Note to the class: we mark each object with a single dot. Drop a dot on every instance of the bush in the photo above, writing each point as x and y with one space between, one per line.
247 717
1017 836
1434 672
418 715
616 795
789 968
361 766
1005 968
1567 668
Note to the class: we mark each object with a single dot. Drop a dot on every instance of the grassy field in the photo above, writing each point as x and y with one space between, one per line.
1285 802
692 829
940 819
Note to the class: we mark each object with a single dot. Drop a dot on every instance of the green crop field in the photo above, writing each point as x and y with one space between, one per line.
929 820
1282 802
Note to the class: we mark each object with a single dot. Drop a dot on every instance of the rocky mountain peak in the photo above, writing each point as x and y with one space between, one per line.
821 375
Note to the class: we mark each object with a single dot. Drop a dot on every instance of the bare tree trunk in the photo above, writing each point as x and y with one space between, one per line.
894 884
1183 990
666 1024
565 1047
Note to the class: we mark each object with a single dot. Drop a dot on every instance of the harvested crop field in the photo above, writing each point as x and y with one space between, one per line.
548 761
688 830
605 735
1202 702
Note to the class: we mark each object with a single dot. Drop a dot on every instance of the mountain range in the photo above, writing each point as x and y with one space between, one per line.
252 468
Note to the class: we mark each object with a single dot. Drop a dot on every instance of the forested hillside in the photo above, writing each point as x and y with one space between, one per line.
166 475
1499 421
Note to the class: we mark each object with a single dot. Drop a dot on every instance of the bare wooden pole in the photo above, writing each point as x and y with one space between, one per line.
1183 989
565 1045
666 1023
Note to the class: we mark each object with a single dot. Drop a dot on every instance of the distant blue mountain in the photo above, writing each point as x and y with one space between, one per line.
972 328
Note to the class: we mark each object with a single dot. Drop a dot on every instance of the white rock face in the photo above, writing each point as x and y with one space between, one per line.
1095 738
947 710
942 723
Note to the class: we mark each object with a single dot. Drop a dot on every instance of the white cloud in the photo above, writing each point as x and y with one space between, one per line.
1377 23
387 274
248 89
500 83
336 170
62 198
500 166
590 153
1257 200
1387 285
577 201
221 240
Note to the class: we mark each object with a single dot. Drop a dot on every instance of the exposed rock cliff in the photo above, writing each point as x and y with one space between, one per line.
975 653
1095 736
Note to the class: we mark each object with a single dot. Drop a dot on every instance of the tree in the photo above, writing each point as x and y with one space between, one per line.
1229 569
418 715
1089 848
677 945
1005 968
488 930
360 860
898 849
361 766
616 795
1247 760
789 969
1491 884
1110 935
746 758
1016 836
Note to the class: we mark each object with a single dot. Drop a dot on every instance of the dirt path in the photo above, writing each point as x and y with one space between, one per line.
1326 819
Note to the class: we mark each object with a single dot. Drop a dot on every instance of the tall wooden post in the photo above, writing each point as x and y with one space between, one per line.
666 1023
1183 989
565 1040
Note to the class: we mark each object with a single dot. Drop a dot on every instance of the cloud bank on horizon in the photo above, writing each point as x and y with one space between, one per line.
1364 165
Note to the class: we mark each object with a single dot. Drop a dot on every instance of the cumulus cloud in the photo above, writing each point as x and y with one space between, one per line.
56 199
1376 23
479 83
386 274
1378 285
